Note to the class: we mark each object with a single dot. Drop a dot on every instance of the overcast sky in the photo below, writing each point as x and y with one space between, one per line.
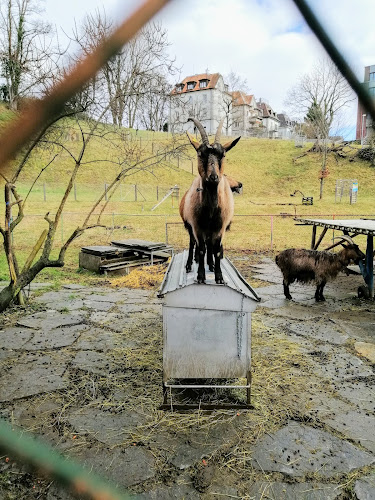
264 41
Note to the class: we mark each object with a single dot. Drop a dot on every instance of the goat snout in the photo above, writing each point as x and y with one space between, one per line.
214 178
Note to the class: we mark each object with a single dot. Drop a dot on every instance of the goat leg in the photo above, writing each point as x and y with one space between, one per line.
218 251
190 256
201 277
319 297
210 260
286 290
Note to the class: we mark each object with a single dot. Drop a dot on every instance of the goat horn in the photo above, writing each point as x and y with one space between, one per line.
218 133
346 238
201 130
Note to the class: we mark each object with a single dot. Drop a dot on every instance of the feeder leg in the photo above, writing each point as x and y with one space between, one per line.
248 390
370 265
165 397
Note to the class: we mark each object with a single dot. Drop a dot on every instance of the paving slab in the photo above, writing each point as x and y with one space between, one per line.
125 467
93 362
264 490
96 339
54 339
173 492
352 423
338 365
183 451
364 488
361 393
366 350
37 375
297 450
297 311
48 320
98 305
322 331
108 428
14 337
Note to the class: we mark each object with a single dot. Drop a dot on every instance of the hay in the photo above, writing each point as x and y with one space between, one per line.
145 277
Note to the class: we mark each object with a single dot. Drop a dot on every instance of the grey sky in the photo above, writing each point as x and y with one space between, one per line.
265 41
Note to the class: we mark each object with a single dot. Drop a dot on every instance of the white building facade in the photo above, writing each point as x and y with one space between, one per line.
204 97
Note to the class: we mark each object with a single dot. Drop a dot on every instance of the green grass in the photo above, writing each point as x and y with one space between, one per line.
265 167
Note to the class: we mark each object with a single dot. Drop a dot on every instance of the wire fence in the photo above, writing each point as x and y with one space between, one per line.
264 232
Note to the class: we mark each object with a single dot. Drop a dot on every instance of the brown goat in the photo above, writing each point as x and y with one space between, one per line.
235 187
313 265
207 207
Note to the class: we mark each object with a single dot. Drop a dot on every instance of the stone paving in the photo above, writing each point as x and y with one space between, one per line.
70 371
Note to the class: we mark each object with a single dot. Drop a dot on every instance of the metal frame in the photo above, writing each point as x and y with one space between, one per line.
209 406
355 227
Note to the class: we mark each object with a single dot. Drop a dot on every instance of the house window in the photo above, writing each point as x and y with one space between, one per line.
372 76
191 85
226 87
203 84
179 87
371 90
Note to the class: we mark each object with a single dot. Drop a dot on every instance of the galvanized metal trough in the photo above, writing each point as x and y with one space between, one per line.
206 329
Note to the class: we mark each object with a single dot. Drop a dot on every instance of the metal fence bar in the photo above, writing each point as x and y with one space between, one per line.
336 56
47 461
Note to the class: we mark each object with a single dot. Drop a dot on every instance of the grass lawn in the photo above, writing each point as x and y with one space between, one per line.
263 213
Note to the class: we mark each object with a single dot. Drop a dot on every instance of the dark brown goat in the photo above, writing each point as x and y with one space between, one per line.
313 265
207 207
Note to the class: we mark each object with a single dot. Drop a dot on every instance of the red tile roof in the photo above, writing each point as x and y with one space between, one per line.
211 77
240 98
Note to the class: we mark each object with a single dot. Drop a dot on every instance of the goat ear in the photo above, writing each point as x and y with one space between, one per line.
193 141
230 145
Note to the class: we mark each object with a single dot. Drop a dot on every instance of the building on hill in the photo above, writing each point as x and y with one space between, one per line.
364 123
287 126
269 119
247 116
205 97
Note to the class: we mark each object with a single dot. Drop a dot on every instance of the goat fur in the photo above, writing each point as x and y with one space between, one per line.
312 265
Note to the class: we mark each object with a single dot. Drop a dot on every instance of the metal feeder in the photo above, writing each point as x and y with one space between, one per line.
206 329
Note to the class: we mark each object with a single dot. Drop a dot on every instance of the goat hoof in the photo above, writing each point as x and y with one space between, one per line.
211 268
288 297
188 269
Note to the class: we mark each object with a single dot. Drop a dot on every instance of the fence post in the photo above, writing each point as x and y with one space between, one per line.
157 193
44 192
62 228
135 193
75 192
271 232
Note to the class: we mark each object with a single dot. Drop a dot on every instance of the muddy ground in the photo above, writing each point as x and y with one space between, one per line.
81 368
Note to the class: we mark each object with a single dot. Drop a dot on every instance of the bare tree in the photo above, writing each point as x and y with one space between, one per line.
118 150
153 109
319 97
233 82
26 52
130 74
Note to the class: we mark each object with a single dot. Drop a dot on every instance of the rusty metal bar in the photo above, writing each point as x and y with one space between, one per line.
323 37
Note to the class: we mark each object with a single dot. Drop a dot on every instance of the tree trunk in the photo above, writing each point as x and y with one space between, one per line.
7 296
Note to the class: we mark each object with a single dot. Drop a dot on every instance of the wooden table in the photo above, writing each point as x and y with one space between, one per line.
352 228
